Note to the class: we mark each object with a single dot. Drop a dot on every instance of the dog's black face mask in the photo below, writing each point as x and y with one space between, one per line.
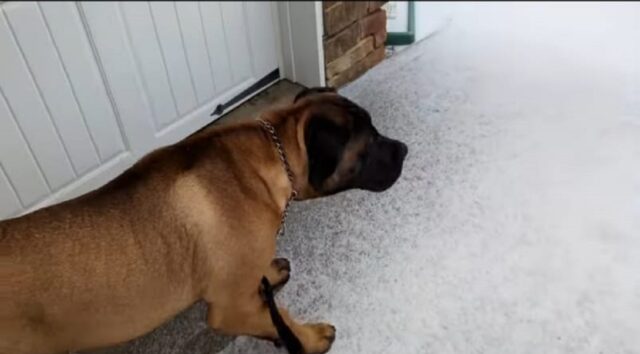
344 149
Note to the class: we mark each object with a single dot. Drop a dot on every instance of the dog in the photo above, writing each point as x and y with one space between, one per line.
194 220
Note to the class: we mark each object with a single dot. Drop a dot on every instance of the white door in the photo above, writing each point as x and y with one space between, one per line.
88 88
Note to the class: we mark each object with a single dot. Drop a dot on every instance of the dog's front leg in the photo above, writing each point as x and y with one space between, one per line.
248 315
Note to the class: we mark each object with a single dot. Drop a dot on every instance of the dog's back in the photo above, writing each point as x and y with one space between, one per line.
115 246
116 263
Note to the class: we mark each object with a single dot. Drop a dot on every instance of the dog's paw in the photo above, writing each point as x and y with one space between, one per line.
321 338
281 272
281 265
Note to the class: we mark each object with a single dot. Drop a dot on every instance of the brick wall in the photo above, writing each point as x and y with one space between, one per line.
354 35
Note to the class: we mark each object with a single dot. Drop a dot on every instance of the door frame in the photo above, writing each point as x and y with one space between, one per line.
299 37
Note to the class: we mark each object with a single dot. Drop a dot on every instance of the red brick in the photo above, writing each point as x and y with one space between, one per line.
328 4
340 43
342 15
350 58
374 23
380 37
358 68
374 5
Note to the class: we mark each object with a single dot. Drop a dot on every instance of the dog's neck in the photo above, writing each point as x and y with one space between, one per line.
289 128
282 154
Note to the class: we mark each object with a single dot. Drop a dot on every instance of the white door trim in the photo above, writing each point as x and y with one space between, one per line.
301 46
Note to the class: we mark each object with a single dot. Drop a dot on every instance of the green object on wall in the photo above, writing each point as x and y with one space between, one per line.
408 37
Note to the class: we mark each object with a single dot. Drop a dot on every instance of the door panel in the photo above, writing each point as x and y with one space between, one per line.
42 58
17 160
24 100
74 48
151 62
112 48
10 203
265 55
195 47
217 45
235 30
87 88
168 29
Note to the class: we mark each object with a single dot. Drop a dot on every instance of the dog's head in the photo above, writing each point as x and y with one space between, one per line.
344 149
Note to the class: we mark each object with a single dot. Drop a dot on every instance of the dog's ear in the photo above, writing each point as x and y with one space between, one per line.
325 141
311 91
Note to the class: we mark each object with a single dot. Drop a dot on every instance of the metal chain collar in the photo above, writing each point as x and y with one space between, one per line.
285 163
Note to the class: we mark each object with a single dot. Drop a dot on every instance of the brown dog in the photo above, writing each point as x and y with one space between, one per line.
195 220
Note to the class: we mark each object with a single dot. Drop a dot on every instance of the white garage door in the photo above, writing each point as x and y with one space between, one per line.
88 88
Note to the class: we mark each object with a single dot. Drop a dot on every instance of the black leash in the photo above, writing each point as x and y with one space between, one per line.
285 334
287 337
